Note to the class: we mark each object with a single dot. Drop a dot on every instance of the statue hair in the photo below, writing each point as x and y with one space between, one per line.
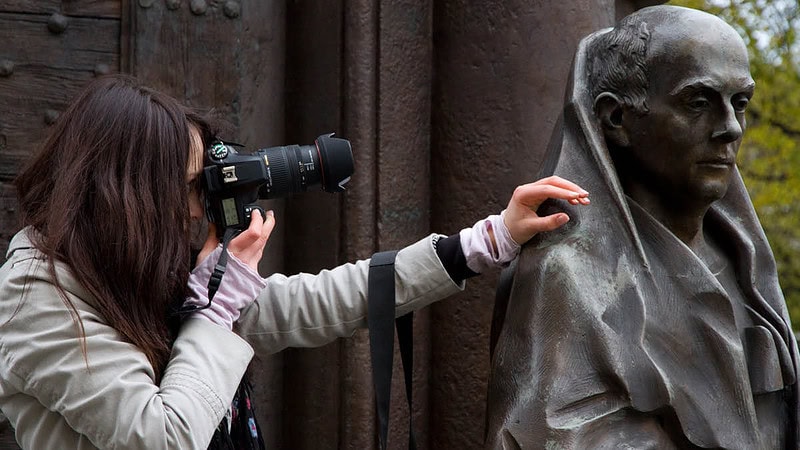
618 63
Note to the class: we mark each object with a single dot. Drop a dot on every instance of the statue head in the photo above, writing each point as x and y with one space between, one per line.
670 88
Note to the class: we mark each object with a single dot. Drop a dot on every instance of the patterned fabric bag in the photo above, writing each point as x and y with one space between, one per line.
239 429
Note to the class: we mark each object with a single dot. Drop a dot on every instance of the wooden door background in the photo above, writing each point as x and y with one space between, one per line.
448 105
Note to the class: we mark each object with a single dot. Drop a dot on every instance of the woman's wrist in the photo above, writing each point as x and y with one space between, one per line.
239 287
488 244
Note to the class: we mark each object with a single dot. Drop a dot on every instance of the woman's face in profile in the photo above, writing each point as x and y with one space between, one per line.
193 171
198 230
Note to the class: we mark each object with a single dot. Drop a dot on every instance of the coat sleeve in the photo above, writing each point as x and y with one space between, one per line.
311 310
58 397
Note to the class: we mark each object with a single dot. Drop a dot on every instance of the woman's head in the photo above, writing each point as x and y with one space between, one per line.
121 149
109 194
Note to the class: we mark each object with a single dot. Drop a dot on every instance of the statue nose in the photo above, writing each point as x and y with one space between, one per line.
729 129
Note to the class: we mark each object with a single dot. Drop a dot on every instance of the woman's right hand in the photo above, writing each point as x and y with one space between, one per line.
520 215
249 245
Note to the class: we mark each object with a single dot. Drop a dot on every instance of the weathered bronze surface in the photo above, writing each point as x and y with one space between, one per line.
654 319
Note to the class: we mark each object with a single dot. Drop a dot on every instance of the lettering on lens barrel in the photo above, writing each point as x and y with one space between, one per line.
233 181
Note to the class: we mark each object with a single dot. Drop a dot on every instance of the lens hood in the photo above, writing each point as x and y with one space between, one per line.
336 159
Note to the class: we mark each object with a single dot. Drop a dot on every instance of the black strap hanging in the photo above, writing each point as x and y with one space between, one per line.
380 317
216 276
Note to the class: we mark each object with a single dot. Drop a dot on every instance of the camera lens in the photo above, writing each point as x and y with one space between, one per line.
295 168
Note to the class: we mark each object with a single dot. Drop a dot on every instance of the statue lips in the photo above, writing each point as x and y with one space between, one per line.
721 162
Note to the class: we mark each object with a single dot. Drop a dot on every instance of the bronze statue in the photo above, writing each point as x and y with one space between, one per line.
654 318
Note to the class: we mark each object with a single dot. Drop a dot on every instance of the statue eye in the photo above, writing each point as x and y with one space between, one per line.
699 102
740 104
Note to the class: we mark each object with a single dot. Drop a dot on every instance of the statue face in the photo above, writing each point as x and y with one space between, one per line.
700 85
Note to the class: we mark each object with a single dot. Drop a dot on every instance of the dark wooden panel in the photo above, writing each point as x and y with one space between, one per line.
87 8
55 87
28 6
85 43
192 56
23 112
48 70
92 8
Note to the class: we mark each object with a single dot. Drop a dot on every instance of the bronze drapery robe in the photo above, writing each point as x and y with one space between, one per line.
615 335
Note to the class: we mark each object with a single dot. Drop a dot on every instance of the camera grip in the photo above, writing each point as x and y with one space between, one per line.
248 212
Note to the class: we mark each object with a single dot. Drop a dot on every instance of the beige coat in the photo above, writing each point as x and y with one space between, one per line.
54 401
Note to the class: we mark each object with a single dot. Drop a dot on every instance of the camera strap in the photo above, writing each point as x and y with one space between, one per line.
380 318
219 269
216 276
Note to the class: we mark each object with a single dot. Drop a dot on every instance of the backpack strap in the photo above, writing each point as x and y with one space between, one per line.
380 317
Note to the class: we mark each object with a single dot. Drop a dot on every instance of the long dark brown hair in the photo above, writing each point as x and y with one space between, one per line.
107 194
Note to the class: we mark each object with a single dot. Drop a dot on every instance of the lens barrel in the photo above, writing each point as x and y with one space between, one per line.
296 168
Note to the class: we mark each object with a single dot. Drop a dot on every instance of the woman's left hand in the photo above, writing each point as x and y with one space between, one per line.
248 246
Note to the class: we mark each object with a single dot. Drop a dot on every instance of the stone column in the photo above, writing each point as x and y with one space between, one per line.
501 69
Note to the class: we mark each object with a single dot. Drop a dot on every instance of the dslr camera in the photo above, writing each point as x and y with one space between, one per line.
234 181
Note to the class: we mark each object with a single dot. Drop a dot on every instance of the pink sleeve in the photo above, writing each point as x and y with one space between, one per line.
477 244
239 287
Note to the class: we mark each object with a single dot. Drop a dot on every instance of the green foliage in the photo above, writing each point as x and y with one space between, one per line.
769 158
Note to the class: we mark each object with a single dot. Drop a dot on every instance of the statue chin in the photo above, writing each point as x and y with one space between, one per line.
713 188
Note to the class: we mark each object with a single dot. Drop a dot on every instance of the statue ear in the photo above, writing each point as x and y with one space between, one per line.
610 110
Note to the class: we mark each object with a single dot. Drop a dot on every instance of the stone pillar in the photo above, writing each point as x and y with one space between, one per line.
364 70
501 69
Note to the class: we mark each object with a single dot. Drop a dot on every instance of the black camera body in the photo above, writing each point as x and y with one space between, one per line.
234 182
